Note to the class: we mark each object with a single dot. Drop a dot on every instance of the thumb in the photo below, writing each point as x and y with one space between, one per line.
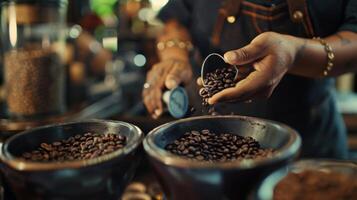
244 55
177 75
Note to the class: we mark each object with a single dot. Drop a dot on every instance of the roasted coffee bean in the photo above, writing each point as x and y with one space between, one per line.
27 155
46 146
56 144
213 147
215 82
79 147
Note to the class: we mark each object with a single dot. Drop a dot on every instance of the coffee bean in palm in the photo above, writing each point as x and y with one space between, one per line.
79 147
224 147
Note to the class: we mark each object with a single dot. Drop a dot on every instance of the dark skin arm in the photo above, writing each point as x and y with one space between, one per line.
344 45
172 69
273 55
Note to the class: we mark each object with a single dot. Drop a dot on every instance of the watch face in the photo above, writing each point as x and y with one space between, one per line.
178 102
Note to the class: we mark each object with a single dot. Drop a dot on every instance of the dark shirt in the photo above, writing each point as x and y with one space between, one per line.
199 16
305 104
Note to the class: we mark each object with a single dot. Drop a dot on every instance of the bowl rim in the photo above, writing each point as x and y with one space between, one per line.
269 183
23 165
288 150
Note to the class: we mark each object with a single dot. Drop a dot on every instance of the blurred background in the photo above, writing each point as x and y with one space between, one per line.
110 45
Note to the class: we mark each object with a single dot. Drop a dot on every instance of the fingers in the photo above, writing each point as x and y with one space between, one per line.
229 94
152 101
247 54
152 95
173 78
252 86
169 73
146 95
156 76
243 73
181 72
199 81
157 102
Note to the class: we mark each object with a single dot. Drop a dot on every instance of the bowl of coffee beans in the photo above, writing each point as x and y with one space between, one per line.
218 157
92 159
311 179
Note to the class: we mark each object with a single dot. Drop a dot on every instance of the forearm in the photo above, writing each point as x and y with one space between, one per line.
173 30
311 57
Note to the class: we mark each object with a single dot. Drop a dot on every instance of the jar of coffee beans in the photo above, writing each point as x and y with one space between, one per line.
33 39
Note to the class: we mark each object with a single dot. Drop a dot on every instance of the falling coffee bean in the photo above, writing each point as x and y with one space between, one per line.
79 147
208 146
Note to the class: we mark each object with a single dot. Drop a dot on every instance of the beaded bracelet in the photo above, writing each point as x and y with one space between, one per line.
330 55
174 43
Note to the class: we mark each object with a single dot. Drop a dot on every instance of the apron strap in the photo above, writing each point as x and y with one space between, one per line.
230 8
299 14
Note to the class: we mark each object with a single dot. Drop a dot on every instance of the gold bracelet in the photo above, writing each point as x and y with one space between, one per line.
330 55
187 45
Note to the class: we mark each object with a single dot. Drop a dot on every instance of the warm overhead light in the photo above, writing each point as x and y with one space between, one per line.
231 19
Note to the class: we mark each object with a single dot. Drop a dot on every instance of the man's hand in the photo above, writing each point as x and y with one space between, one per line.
271 55
166 74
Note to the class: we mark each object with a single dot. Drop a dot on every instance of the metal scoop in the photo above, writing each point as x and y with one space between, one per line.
212 62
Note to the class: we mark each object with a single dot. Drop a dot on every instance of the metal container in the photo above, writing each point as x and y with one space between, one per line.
177 102
33 43
191 180
265 191
104 177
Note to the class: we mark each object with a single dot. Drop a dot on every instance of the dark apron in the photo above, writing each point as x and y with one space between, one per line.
305 104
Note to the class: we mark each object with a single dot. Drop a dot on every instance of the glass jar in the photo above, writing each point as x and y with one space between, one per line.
33 38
